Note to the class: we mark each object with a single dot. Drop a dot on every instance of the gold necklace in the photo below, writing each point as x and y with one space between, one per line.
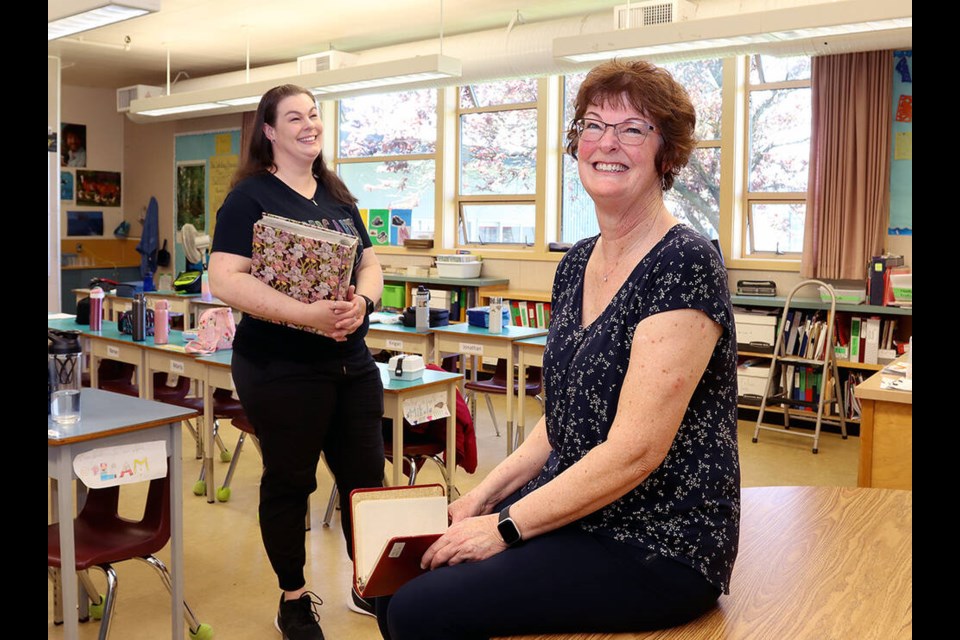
631 246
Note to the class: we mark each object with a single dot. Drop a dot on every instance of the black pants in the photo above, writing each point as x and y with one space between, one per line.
299 410
563 581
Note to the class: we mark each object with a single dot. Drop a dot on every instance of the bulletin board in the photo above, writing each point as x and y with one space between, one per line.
901 158
219 153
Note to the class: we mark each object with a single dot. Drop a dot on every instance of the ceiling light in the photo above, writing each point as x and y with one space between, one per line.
67 17
409 73
741 33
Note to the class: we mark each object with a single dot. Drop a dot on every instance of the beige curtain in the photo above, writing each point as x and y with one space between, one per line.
848 195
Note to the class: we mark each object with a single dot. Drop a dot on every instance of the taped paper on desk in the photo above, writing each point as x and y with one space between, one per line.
122 464
426 408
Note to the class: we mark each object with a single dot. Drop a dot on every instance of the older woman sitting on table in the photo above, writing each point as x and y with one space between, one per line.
621 511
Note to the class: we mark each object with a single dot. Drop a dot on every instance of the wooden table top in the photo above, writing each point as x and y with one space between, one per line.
814 563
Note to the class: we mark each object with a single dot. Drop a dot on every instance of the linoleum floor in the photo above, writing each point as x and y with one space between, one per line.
228 580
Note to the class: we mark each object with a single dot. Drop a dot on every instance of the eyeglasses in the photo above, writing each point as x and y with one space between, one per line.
629 132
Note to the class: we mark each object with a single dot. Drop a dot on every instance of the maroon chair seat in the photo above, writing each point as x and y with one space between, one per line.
533 386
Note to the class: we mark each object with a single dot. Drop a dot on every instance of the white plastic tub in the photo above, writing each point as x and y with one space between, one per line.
459 269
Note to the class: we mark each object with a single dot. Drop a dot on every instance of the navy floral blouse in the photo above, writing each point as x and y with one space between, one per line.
688 508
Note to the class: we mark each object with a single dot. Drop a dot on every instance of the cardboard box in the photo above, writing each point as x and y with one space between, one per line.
752 381
755 331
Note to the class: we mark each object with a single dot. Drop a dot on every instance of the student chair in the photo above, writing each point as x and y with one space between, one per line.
104 538
498 385
245 428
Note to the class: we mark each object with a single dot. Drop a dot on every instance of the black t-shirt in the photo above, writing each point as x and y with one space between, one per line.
243 206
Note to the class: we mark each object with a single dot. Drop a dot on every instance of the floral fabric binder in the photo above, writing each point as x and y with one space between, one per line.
302 260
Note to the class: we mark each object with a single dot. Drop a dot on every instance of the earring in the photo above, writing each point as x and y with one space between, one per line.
663 182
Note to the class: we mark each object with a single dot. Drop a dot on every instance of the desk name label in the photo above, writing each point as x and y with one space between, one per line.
176 366
471 348
395 345
113 352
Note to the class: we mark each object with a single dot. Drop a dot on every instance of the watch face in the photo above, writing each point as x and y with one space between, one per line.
508 531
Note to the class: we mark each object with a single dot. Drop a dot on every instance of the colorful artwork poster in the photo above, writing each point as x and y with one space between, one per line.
901 153
378 226
400 221
98 188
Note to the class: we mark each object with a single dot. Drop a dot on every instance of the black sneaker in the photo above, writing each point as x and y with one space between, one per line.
360 605
298 619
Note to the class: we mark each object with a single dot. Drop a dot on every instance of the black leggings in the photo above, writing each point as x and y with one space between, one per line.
297 411
564 581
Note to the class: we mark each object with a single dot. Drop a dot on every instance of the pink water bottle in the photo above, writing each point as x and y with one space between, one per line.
161 322
96 309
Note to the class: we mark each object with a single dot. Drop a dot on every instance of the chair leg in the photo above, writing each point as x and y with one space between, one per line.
331 506
106 615
224 492
161 568
413 470
493 415
54 575
196 437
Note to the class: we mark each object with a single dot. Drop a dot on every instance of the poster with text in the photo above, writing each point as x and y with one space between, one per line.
901 154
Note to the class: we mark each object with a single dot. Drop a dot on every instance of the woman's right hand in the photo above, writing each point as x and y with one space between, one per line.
466 506
324 315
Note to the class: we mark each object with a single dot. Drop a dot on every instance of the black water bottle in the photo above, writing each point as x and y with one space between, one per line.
139 318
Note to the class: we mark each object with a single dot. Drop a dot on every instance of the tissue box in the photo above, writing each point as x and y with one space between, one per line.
480 316
406 367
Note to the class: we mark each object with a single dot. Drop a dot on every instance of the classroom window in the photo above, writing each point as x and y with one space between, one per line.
778 153
386 152
497 132
695 196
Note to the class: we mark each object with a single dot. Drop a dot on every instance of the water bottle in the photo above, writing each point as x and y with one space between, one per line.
495 324
139 318
423 309
96 309
205 294
161 322
63 375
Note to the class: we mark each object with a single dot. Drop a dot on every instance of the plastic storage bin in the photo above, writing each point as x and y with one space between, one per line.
406 367
394 295
480 316
459 269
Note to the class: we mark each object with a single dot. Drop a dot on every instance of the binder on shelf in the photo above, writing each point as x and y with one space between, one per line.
855 339
871 342
392 528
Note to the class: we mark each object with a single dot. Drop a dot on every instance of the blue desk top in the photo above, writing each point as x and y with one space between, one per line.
104 412
429 377
538 340
510 332
110 331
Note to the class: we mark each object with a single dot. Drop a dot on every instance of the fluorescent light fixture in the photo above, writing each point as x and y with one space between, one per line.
739 33
329 84
385 74
67 17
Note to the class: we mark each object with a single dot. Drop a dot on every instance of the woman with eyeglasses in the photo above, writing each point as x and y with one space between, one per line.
621 511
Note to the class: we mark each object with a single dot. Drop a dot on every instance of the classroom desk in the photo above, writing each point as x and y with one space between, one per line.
529 354
396 392
396 337
216 375
465 339
886 434
813 562
112 419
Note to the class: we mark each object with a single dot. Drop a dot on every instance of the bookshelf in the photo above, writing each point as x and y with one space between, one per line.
530 297
844 312
468 286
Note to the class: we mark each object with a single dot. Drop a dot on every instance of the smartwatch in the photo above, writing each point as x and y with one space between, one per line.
508 528
370 305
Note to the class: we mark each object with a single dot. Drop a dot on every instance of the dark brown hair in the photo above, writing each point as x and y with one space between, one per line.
259 156
653 92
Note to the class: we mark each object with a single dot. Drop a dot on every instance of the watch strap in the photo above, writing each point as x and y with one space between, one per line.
371 306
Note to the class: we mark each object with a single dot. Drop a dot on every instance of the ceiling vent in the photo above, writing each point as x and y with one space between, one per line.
644 14
325 61
126 95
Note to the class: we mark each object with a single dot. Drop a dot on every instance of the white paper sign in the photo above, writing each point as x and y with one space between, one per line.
113 352
471 348
394 345
111 466
426 408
